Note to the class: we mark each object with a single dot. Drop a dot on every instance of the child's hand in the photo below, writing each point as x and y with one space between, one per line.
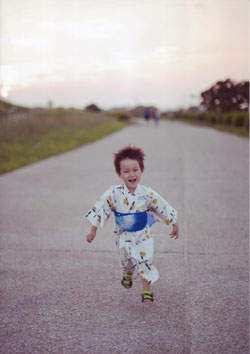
175 231
92 234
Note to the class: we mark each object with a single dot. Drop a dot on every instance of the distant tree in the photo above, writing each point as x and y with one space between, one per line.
93 108
226 96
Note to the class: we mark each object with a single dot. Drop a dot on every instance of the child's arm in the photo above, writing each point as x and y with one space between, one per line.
101 210
175 231
164 211
92 234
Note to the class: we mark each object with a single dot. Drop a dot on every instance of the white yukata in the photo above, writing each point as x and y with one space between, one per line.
135 248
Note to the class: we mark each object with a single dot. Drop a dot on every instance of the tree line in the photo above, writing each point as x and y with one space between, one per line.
226 96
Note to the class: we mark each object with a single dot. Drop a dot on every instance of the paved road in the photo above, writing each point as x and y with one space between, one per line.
62 295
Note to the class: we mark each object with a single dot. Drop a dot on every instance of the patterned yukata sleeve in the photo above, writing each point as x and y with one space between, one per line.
101 210
160 208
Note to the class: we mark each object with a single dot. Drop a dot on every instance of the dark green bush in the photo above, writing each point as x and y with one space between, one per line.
228 119
239 122
219 118
213 119
122 116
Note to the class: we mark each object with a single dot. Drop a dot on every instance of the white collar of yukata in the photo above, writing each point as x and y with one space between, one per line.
136 192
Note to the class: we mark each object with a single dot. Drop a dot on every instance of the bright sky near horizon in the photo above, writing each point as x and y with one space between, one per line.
120 53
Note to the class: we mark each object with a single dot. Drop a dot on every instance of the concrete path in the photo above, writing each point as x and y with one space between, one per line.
62 295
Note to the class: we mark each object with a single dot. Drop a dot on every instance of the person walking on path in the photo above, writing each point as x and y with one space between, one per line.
146 114
157 116
136 208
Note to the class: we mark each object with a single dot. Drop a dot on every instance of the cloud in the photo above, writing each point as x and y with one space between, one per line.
98 28
119 50
32 42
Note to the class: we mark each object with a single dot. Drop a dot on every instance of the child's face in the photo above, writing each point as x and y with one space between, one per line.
131 173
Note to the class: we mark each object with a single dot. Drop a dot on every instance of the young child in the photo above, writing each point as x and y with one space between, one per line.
136 208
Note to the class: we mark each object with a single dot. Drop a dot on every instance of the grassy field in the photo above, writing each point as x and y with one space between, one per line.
44 133
231 122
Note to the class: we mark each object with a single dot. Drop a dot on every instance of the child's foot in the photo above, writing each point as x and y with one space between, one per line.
147 296
127 280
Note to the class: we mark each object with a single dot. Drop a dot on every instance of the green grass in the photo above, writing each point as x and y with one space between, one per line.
46 133
232 122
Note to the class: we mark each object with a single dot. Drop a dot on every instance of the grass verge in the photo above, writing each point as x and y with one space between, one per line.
46 133
232 122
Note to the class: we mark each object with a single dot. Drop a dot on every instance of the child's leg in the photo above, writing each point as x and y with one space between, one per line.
147 295
145 284
127 275
129 268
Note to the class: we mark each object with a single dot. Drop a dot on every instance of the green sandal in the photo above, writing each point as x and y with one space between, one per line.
147 296
127 280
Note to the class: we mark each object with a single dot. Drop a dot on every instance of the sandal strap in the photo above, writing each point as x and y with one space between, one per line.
127 275
126 282
147 295
146 292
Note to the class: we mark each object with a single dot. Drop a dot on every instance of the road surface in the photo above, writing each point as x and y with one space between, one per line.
60 294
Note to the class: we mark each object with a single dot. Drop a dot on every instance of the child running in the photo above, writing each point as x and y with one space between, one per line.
136 208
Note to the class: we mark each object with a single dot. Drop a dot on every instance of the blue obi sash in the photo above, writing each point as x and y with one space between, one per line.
133 221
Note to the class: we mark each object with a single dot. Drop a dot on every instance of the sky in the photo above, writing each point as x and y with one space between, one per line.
118 53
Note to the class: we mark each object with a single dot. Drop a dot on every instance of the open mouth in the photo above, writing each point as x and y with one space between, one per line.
132 180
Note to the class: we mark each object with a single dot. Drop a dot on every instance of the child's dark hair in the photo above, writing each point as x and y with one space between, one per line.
130 152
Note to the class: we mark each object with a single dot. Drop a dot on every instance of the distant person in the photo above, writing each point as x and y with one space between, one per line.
146 114
157 116
136 207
